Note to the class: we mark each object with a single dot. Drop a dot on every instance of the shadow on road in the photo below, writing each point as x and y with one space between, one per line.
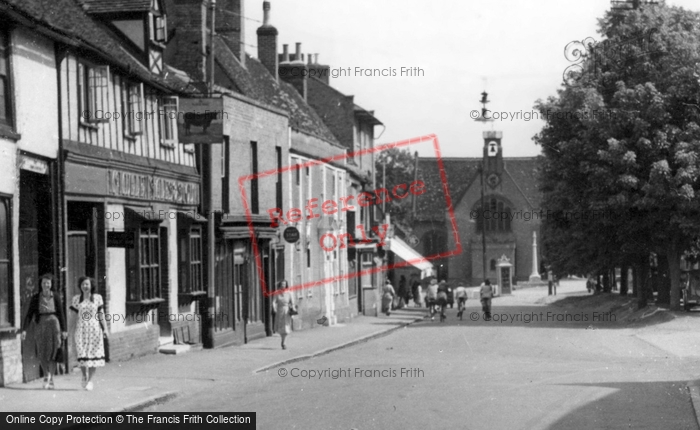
652 405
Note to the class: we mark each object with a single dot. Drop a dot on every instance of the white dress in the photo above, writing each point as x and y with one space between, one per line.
89 340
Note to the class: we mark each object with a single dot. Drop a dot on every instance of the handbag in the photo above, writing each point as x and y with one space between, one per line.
106 344
60 356
292 311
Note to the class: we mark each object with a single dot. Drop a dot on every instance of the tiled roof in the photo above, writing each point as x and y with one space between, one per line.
461 173
334 108
525 175
109 6
256 82
70 21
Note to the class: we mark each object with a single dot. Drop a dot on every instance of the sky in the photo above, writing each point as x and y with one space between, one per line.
513 49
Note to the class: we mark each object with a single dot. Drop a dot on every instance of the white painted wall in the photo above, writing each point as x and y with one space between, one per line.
36 92
116 273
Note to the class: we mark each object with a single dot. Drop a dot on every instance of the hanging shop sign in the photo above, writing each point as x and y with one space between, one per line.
201 120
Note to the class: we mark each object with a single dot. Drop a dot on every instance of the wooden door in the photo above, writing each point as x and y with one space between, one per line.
29 278
77 267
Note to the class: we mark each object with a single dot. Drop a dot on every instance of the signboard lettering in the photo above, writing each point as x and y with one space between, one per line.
150 187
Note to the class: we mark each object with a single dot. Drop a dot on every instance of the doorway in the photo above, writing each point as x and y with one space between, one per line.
36 254
81 260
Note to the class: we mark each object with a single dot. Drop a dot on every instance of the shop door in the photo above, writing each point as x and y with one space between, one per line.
76 258
29 275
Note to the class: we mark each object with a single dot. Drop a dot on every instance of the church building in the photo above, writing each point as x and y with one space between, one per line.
505 223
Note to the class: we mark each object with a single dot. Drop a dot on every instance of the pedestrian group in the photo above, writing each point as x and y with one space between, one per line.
46 311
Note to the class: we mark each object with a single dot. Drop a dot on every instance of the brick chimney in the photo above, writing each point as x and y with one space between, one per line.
319 71
230 26
267 43
187 50
295 72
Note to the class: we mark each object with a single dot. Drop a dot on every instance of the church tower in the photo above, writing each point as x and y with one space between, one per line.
493 158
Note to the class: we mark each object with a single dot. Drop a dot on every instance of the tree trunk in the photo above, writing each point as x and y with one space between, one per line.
674 272
607 287
643 282
663 287
623 281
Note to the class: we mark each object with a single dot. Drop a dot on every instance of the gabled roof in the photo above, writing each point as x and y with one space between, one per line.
461 173
69 21
114 6
367 115
524 172
256 82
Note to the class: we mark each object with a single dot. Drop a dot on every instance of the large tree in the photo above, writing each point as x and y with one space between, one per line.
622 138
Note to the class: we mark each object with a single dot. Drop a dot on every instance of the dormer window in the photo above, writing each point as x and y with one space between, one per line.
158 31
159 27
158 23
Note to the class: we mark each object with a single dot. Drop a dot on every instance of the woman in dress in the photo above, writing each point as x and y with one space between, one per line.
46 309
284 301
90 330
388 295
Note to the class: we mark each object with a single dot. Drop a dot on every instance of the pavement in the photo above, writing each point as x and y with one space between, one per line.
138 383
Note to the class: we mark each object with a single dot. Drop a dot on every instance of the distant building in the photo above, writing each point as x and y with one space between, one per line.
510 217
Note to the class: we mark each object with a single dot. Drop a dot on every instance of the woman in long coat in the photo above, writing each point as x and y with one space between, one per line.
90 330
284 301
46 309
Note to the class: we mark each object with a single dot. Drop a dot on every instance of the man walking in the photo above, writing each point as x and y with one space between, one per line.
486 296
431 297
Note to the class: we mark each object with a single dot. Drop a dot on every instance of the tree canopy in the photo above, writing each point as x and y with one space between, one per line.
622 145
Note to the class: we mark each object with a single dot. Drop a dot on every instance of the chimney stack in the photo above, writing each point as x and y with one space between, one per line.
319 71
267 43
187 50
230 24
296 72
297 55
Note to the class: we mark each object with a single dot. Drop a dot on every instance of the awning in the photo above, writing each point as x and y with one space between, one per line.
191 216
408 254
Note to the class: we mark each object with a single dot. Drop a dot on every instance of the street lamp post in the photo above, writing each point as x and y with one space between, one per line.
483 221
483 118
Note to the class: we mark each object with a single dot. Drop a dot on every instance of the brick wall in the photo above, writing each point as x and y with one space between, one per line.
187 50
267 49
129 344
10 360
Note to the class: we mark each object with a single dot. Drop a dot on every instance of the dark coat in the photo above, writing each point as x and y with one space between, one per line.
34 311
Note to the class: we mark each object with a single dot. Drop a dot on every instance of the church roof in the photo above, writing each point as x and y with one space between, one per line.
461 173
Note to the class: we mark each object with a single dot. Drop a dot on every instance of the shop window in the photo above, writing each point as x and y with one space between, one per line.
6 317
93 85
146 275
168 121
191 269
6 117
